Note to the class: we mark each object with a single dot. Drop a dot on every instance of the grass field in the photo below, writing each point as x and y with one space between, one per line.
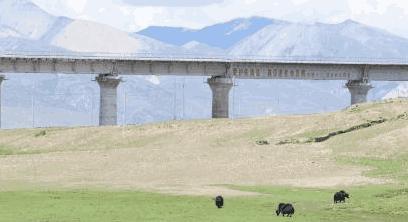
372 203
158 173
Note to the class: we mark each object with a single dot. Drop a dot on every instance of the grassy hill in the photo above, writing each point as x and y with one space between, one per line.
169 171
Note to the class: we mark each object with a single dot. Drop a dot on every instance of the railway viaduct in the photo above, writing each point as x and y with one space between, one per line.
221 72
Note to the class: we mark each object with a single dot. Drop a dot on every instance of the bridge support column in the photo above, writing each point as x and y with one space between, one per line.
358 90
2 78
220 87
108 85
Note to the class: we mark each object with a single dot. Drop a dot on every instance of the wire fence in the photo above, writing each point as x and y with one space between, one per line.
138 102
173 98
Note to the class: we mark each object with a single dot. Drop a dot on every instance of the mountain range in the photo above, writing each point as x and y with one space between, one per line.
72 100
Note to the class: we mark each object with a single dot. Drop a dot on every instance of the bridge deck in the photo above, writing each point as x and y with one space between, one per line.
252 67
205 58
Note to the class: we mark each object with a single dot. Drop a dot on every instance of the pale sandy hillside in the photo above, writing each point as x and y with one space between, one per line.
190 157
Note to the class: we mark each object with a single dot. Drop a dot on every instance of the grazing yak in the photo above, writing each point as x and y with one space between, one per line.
285 209
340 196
219 201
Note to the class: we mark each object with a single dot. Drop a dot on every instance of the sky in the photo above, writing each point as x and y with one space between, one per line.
134 15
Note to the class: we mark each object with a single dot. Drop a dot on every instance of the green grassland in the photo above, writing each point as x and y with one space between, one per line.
371 203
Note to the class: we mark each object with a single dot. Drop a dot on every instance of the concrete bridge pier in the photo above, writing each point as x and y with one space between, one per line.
220 87
2 78
358 90
108 85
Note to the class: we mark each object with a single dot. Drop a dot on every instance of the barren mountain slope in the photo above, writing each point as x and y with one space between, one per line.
186 156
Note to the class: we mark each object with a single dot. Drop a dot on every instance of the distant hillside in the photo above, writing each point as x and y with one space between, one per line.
347 39
223 35
23 23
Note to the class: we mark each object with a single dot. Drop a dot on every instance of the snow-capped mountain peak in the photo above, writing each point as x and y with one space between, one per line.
104 39
347 39
25 17
26 27
241 25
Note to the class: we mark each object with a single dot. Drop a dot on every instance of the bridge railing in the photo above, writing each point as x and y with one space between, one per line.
228 58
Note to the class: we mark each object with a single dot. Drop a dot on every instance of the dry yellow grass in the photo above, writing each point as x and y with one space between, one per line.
191 156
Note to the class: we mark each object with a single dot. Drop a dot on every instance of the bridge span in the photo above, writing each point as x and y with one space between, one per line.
221 71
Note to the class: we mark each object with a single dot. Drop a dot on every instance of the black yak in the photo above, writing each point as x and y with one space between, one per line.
340 196
285 209
219 201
